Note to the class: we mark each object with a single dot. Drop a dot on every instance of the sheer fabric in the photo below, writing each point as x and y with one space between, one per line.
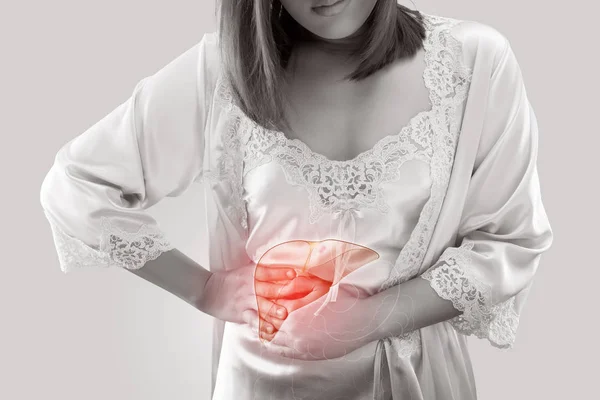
453 198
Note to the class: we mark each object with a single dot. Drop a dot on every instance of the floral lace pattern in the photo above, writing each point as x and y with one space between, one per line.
229 169
451 280
449 80
430 136
117 247
341 185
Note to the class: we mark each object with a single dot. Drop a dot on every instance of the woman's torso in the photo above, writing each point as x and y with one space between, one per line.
369 167
355 169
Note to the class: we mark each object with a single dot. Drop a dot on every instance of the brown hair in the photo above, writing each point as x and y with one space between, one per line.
256 39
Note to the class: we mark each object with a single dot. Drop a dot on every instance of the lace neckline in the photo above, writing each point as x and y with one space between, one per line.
384 141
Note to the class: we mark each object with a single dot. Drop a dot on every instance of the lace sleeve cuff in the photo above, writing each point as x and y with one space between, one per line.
451 280
117 247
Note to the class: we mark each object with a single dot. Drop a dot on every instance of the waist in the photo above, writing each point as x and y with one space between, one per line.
248 353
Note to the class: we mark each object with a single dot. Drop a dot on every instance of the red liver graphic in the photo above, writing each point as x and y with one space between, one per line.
317 259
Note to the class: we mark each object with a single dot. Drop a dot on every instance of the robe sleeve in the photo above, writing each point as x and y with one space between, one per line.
96 193
504 228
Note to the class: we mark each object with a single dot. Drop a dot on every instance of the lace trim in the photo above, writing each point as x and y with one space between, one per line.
406 344
452 281
335 185
449 78
117 247
229 169
341 185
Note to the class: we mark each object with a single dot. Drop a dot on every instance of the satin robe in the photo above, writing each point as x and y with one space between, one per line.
453 198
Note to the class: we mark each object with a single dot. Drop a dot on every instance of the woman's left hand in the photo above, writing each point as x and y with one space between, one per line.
340 328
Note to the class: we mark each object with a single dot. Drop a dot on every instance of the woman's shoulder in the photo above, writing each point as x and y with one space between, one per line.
475 37
471 33
211 42
469 30
209 58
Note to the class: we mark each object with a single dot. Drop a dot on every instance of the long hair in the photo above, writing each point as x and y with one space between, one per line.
256 38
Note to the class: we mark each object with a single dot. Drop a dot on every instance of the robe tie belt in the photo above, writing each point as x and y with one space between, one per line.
381 371
346 231
345 222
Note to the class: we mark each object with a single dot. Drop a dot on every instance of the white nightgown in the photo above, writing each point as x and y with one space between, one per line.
453 198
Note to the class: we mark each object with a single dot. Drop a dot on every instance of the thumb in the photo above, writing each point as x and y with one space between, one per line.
250 317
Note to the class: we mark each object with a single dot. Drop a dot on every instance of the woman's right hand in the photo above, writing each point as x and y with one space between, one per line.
241 295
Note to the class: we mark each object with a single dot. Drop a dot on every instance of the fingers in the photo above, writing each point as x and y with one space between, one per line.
278 290
284 345
259 325
279 339
250 317
284 298
271 312
267 289
267 331
301 286
266 322
294 304
272 274
296 288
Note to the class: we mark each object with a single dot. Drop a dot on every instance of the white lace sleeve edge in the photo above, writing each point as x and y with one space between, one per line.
117 248
452 281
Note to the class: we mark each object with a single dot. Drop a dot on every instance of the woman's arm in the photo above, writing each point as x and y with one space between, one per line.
408 306
235 295
351 321
97 192
178 274
502 233
480 284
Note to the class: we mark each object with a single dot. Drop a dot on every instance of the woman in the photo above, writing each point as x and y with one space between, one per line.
408 214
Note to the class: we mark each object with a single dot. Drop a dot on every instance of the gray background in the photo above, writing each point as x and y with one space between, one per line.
107 334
